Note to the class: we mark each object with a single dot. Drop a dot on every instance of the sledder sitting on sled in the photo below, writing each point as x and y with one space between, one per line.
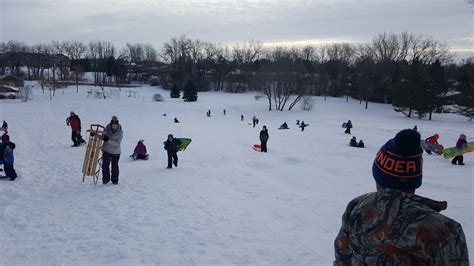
140 151
353 142
284 126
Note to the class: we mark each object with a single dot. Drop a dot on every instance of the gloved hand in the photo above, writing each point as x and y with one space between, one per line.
106 138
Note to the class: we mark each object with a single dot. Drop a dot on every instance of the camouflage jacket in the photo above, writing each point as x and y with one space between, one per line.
390 227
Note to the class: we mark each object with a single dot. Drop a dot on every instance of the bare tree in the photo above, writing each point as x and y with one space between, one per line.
25 93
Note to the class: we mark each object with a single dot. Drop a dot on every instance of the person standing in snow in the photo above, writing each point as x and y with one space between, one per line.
171 146
303 125
460 144
264 138
394 226
112 137
241 117
75 123
7 158
254 121
348 127
224 111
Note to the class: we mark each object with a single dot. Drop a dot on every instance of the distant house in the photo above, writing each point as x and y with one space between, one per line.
12 81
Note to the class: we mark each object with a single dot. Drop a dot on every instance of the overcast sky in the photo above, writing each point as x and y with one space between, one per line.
230 21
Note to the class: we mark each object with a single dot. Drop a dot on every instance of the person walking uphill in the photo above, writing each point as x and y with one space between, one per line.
112 137
75 123
394 226
264 138
459 144
348 127
171 146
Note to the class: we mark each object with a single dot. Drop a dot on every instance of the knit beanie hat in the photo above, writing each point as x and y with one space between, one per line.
399 162
462 136
114 120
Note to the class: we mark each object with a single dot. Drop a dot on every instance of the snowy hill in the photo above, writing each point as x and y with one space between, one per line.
225 203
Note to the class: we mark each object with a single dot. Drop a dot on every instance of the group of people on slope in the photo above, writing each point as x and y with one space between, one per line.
7 157
460 143
111 148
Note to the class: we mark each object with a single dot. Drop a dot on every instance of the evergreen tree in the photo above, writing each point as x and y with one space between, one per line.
175 93
190 92
465 100
412 94
438 87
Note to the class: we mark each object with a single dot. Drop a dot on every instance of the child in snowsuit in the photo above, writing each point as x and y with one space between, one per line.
459 144
263 139
432 140
4 126
254 121
140 151
7 158
75 123
283 126
353 142
348 127
171 146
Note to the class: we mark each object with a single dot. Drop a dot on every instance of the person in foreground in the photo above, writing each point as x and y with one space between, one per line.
394 226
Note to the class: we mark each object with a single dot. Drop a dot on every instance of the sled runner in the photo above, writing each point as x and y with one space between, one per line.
93 156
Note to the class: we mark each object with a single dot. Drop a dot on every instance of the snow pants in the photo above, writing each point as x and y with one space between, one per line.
108 158
172 159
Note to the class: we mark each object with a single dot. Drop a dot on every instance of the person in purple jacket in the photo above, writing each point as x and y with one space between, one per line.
461 142
140 151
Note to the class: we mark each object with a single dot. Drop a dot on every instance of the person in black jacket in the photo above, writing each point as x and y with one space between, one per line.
264 138
171 146
348 127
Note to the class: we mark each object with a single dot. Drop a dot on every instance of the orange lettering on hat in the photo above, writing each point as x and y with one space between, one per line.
411 166
400 167
381 158
389 163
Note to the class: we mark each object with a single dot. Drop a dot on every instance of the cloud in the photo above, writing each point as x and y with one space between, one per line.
230 21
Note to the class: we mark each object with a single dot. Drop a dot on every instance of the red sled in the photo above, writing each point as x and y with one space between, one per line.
257 147
428 147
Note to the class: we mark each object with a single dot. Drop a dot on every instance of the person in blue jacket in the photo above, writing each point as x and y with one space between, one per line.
7 158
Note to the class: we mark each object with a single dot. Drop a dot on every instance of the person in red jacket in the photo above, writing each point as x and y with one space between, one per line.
432 140
75 123
460 144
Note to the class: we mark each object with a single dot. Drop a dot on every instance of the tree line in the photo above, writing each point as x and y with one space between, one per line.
414 73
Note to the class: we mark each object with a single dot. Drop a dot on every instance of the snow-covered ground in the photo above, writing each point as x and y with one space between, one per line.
225 203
